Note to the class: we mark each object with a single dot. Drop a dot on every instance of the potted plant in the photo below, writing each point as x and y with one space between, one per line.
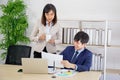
13 25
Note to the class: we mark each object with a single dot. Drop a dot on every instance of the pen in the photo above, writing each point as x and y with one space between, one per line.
53 65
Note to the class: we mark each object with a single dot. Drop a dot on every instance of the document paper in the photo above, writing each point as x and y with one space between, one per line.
53 58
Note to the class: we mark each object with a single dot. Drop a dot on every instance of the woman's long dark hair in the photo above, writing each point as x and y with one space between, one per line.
46 9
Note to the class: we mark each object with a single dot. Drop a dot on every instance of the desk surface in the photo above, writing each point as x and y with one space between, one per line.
9 72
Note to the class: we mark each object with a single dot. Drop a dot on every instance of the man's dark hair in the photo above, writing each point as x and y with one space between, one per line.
82 37
47 8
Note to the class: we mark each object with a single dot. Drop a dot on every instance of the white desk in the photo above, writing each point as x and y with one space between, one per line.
9 72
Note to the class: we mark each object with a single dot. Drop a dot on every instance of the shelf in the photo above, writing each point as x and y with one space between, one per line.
81 20
66 44
115 71
107 45
92 45
113 45
87 45
96 45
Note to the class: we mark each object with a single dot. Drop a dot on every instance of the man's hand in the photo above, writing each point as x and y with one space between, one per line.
67 64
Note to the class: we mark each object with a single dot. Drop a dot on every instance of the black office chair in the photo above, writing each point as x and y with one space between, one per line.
16 52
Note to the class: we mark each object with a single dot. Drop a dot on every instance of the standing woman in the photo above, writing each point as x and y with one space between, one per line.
47 32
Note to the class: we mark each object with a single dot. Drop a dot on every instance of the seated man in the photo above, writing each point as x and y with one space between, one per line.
77 57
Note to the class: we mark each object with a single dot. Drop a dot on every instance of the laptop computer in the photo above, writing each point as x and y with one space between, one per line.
35 65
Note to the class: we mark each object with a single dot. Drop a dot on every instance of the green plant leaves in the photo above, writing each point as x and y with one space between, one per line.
13 7
13 24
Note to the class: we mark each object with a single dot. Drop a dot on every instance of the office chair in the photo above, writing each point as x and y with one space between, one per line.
16 52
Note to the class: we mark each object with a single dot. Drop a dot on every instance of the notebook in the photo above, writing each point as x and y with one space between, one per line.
36 65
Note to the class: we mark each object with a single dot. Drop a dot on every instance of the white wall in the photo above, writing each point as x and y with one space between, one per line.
2 2
88 9
1 51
